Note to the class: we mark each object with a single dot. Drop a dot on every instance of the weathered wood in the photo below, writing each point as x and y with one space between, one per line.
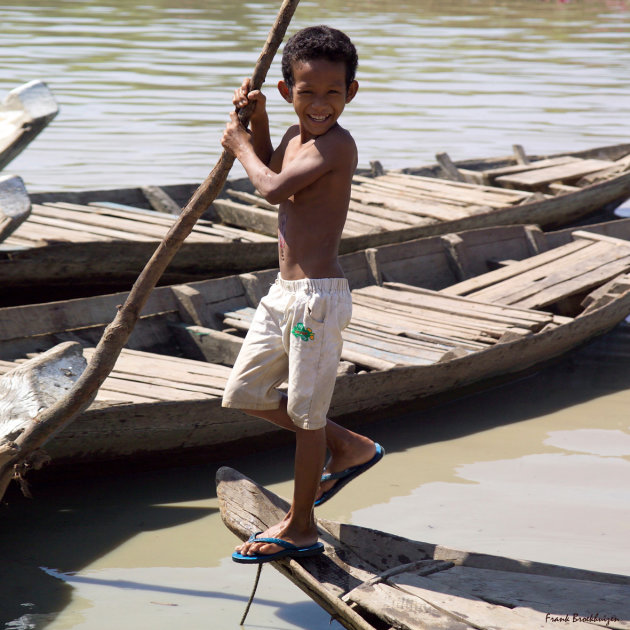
256 200
45 259
208 344
434 587
160 200
519 154
15 205
34 385
408 342
450 169
248 217
530 180
557 595
403 611
473 285
24 113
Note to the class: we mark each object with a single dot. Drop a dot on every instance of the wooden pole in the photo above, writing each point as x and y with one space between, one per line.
14 456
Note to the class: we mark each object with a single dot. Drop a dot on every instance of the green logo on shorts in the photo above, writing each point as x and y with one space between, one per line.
301 332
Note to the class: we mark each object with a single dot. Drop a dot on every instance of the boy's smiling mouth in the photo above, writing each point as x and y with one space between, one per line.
319 119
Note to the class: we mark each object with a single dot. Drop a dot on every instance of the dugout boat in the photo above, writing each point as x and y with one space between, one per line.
24 113
85 243
429 320
372 580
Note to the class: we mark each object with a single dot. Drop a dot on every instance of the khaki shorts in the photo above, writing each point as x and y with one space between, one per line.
295 335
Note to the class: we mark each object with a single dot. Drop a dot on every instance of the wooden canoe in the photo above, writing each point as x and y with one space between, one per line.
85 243
371 580
427 321
24 113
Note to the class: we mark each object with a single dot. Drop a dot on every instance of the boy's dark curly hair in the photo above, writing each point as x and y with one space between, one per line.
319 42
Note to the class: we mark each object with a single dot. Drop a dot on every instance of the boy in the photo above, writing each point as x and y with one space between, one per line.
296 331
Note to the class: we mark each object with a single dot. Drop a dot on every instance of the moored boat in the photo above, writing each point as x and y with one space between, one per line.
89 242
370 580
24 113
427 321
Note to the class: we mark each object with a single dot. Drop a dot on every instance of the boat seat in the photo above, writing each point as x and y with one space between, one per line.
404 325
539 178
552 276
146 377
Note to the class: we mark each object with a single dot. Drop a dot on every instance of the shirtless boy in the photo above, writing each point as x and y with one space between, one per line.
296 332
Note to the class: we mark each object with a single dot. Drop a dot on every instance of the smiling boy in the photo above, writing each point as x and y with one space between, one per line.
296 332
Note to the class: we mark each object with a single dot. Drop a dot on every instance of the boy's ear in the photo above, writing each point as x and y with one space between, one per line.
352 91
285 91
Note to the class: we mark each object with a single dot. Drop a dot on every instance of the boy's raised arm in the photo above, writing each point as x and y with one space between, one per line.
313 161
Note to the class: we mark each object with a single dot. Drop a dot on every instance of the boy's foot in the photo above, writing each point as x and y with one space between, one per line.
287 550
348 468
278 541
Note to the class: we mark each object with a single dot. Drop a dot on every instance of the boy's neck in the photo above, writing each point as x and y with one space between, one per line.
305 136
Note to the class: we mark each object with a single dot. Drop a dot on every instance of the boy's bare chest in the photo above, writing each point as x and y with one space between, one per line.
295 148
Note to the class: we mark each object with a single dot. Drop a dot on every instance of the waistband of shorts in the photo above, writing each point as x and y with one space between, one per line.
314 285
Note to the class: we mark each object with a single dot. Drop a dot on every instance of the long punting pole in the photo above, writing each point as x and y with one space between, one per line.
14 456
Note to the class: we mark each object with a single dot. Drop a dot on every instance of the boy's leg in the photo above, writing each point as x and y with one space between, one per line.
346 447
298 526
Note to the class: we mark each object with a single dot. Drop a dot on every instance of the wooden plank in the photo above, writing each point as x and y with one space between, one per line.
129 227
160 200
352 348
430 343
420 207
255 200
457 191
387 213
123 385
538 178
73 227
194 367
555 596
469 308
201 227
402 610
473 285
247 217
467 608
419 313
457 301
415 323
572 269
580 284
448 166
407 353
423 182
109 397
32 320
34 233
520 155
493 173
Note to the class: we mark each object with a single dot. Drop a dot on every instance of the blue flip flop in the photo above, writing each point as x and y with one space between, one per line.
344 477
289 551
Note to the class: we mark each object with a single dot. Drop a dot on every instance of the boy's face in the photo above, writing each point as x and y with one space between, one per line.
319 94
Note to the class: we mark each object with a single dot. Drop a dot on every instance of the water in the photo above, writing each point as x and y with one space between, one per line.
539 469
145 88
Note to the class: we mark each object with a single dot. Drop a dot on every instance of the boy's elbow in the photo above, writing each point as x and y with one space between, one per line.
274 196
